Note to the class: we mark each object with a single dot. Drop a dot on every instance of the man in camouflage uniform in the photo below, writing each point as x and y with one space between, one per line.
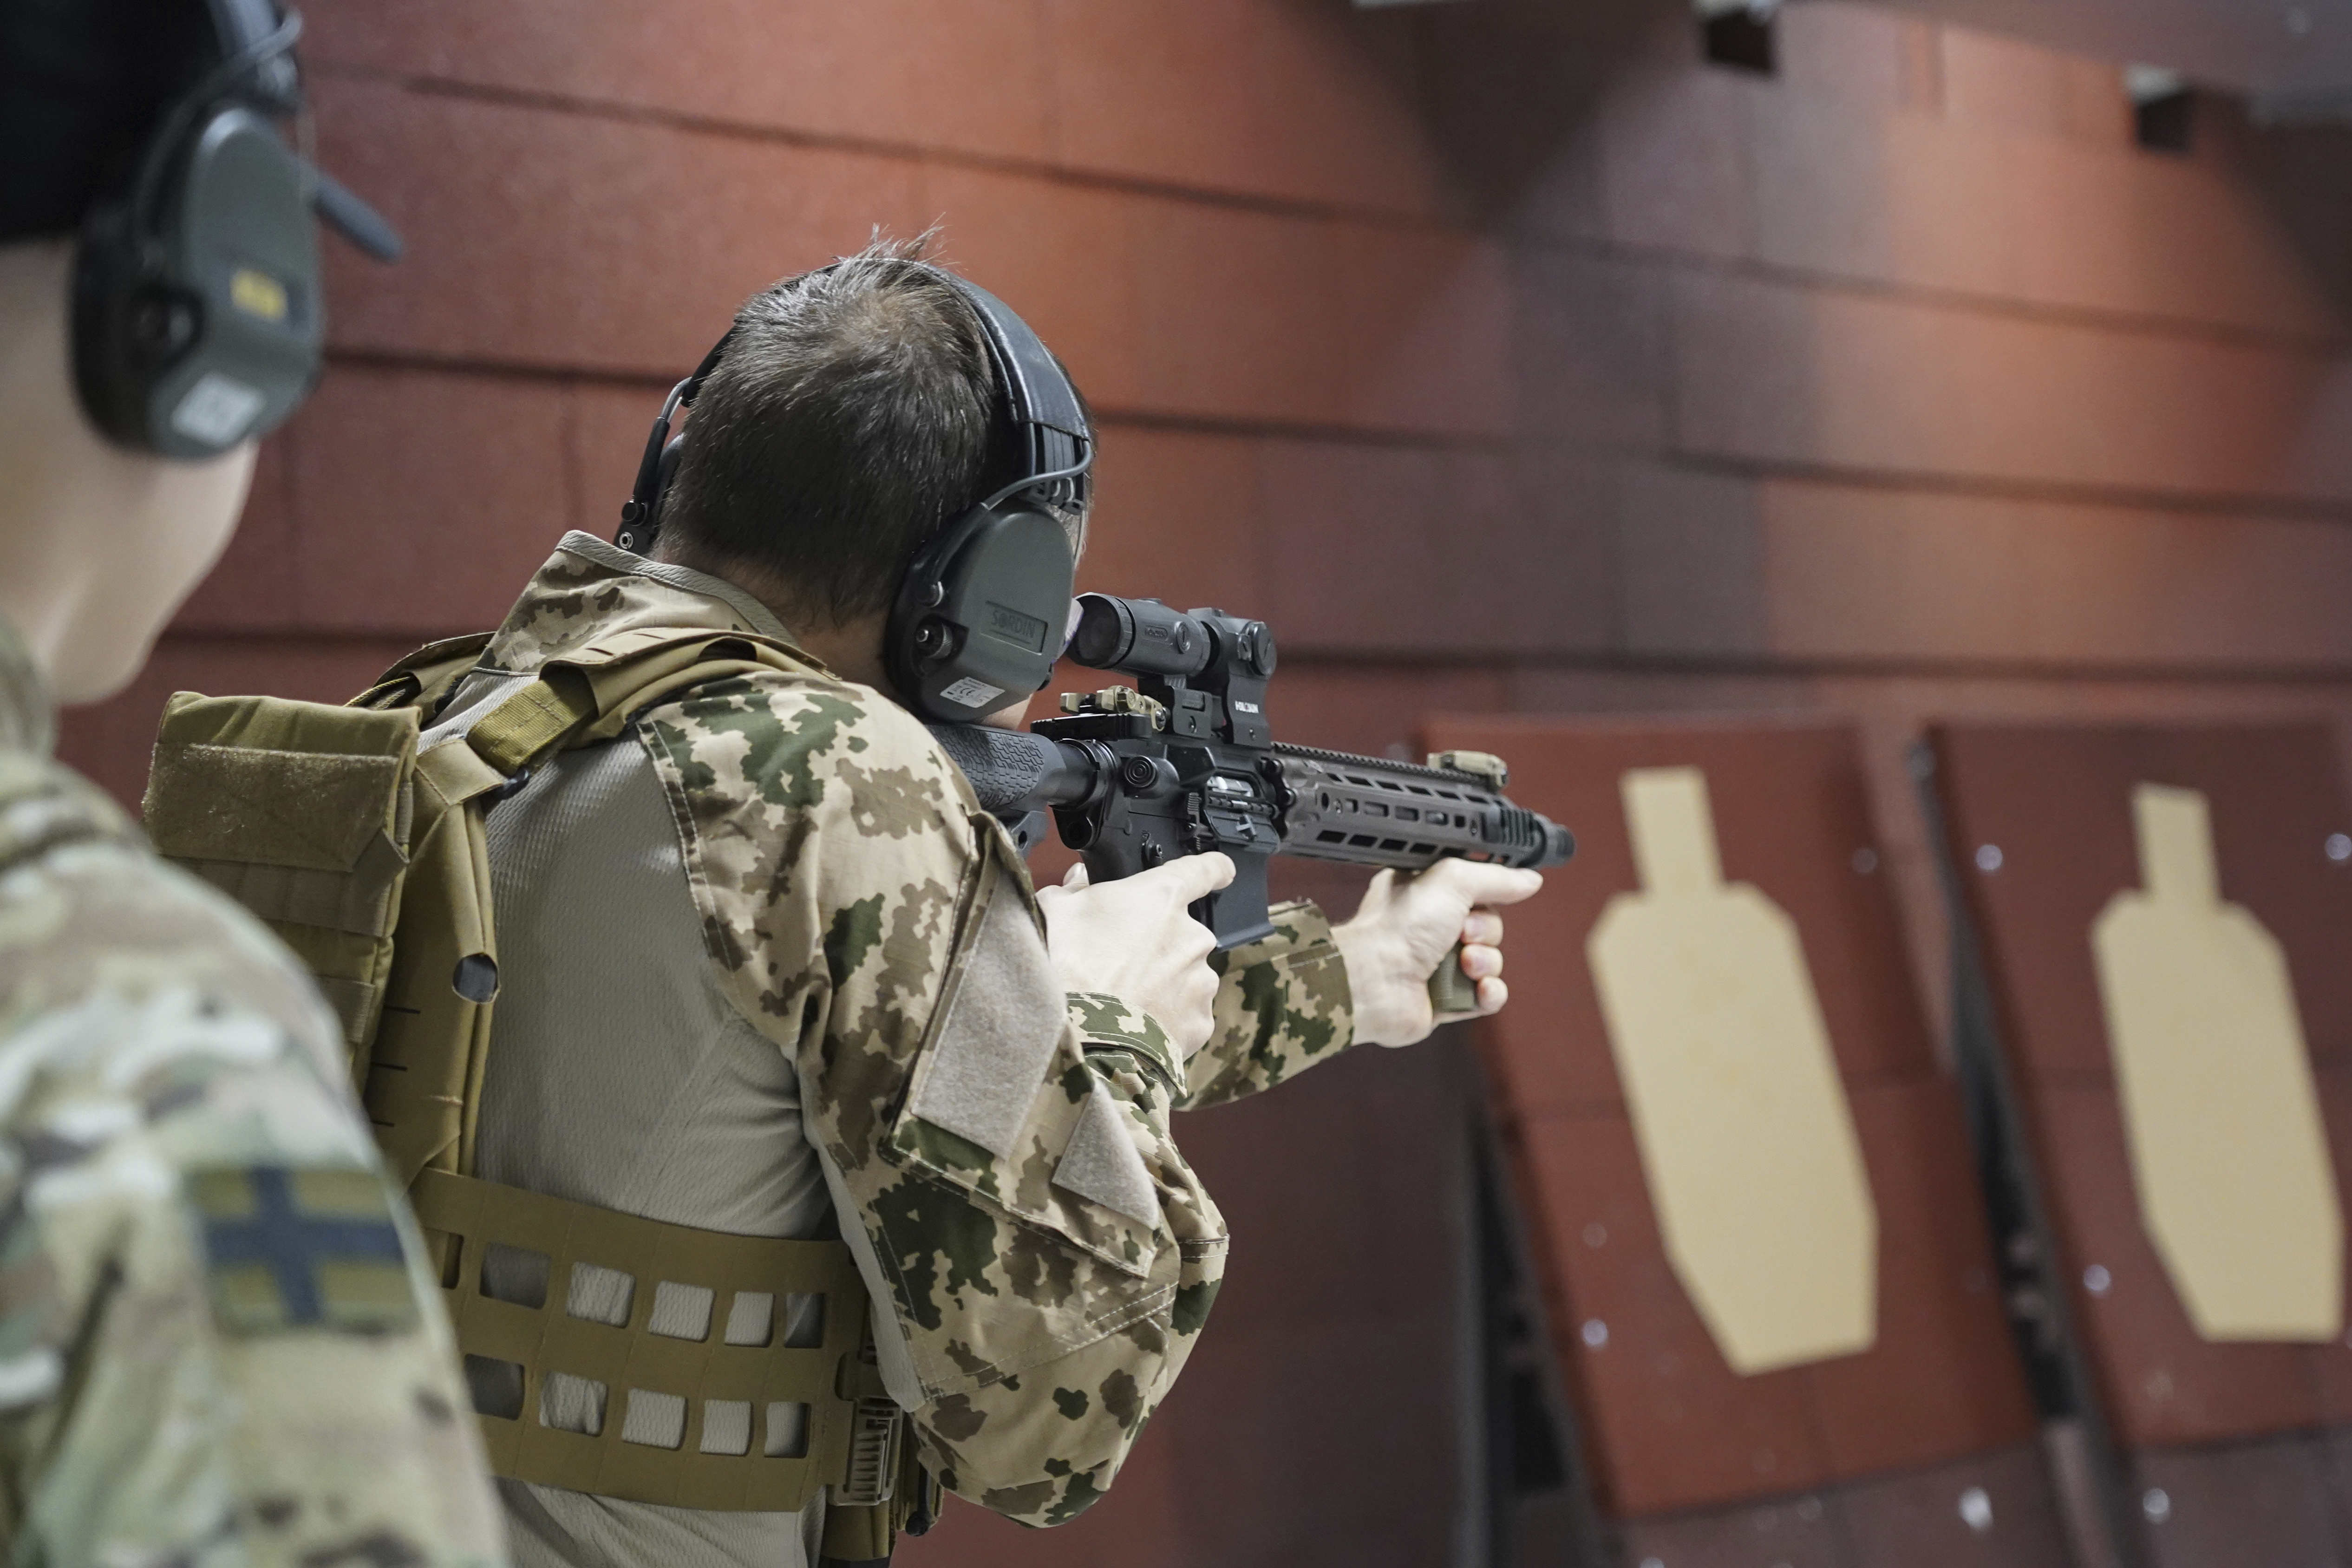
768 968
217 1344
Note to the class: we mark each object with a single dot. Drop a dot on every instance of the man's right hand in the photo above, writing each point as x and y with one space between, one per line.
1132 939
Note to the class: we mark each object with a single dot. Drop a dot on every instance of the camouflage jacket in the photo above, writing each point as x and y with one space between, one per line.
999 1155
218 1345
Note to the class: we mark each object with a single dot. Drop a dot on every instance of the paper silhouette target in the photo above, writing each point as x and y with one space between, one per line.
2229 1153
1746 1138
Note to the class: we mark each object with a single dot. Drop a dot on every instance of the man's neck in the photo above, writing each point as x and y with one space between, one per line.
851 649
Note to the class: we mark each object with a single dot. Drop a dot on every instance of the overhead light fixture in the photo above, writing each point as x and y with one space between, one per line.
1740 35
2164 108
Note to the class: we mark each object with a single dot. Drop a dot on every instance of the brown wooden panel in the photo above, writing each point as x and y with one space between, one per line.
1994 1511
1791 818
2331 1365
1942 1378
2160 1382
1668 1424
2056 803
2265 1505
1800 1532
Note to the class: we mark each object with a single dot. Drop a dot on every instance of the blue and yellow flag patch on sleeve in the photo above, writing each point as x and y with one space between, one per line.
288 1248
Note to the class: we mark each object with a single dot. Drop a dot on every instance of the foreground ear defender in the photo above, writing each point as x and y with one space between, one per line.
984 608
197 321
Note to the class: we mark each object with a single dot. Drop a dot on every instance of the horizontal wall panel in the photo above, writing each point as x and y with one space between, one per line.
1689 560
576 242
1590 342
1861 573
1409 549
1930 203
2003 85
1860 54
1301 102
1176 518
1674 155
1773 373
935 73
1259 97
1267 317
2013 175
423 500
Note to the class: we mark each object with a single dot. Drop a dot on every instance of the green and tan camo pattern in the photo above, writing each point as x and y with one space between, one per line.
840 863
1282 1007
160 1404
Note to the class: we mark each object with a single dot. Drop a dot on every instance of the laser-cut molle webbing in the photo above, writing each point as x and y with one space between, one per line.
838 1392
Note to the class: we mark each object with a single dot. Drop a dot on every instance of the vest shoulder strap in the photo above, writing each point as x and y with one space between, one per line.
591 694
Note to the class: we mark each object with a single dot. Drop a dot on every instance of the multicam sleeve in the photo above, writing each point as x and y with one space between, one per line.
218 1342
1005 1173
1282 1007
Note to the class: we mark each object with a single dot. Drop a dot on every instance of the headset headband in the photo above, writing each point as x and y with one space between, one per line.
1049 442
1039 439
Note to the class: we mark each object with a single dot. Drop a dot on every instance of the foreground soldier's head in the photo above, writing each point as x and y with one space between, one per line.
102 542
159 307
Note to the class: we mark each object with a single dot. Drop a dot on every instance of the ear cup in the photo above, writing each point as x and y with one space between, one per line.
980 615
197 322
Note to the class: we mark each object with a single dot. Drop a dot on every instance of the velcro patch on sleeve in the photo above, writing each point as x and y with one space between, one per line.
1101 1162
295 1248
996 1044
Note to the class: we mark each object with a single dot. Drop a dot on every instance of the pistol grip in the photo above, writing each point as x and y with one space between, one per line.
1450 990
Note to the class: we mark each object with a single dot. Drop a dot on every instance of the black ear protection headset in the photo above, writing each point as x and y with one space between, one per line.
197 320
984 607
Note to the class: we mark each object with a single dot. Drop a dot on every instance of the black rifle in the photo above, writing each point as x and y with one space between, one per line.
1187 764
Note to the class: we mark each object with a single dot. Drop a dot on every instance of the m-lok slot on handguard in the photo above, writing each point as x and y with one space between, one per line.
1185 763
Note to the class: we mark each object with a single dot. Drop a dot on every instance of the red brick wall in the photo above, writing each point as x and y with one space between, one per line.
1501 353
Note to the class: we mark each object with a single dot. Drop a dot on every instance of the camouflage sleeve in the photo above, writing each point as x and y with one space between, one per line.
1005 1173
1282 1007
218 1342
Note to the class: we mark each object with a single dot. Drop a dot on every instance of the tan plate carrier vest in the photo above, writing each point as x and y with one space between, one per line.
371 860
